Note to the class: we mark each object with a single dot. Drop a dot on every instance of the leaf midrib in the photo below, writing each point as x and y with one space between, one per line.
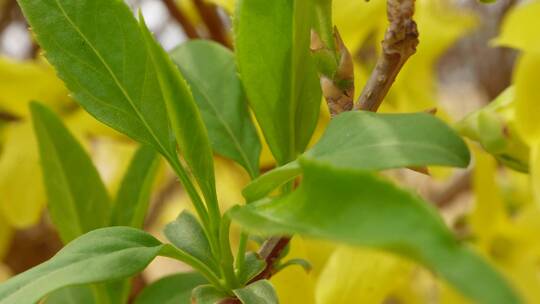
117 82
237 145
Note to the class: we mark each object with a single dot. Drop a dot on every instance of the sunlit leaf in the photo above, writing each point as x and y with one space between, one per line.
372 212
279 77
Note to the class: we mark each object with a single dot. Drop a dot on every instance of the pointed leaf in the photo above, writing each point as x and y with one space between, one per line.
134 193
253 265
369 141
185 118
357 208
208 294
121 76
173 289
106 66
266 183
210 70
78 200
278 73
187 234
102 255
260 292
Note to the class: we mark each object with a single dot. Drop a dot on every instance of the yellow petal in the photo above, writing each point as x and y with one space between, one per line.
535 171
23 195
360 276
520 27
293 285
22 82
112 159
488 212
527 103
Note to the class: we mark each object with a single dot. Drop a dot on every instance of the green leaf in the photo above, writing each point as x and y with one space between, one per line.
105 254
187 235
119 74
185 118
305 264
78 200
260 292
266 183
174 289
253 265
72 295
134 194
98 50
272 46
358 208
208 294
370 141
210 70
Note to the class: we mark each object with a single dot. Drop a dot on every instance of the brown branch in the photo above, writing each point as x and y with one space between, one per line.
399 44
213 21
271 251
457 186
182 19
8 117
6 14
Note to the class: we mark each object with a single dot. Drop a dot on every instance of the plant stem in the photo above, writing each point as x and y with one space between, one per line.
399 44
227 259
213 21
182 19
210 225
241 255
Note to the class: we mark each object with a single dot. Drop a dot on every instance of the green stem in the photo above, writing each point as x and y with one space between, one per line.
227 259
175 253
210 224
190 189
241 255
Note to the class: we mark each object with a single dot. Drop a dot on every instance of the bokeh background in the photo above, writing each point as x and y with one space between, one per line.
460 68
